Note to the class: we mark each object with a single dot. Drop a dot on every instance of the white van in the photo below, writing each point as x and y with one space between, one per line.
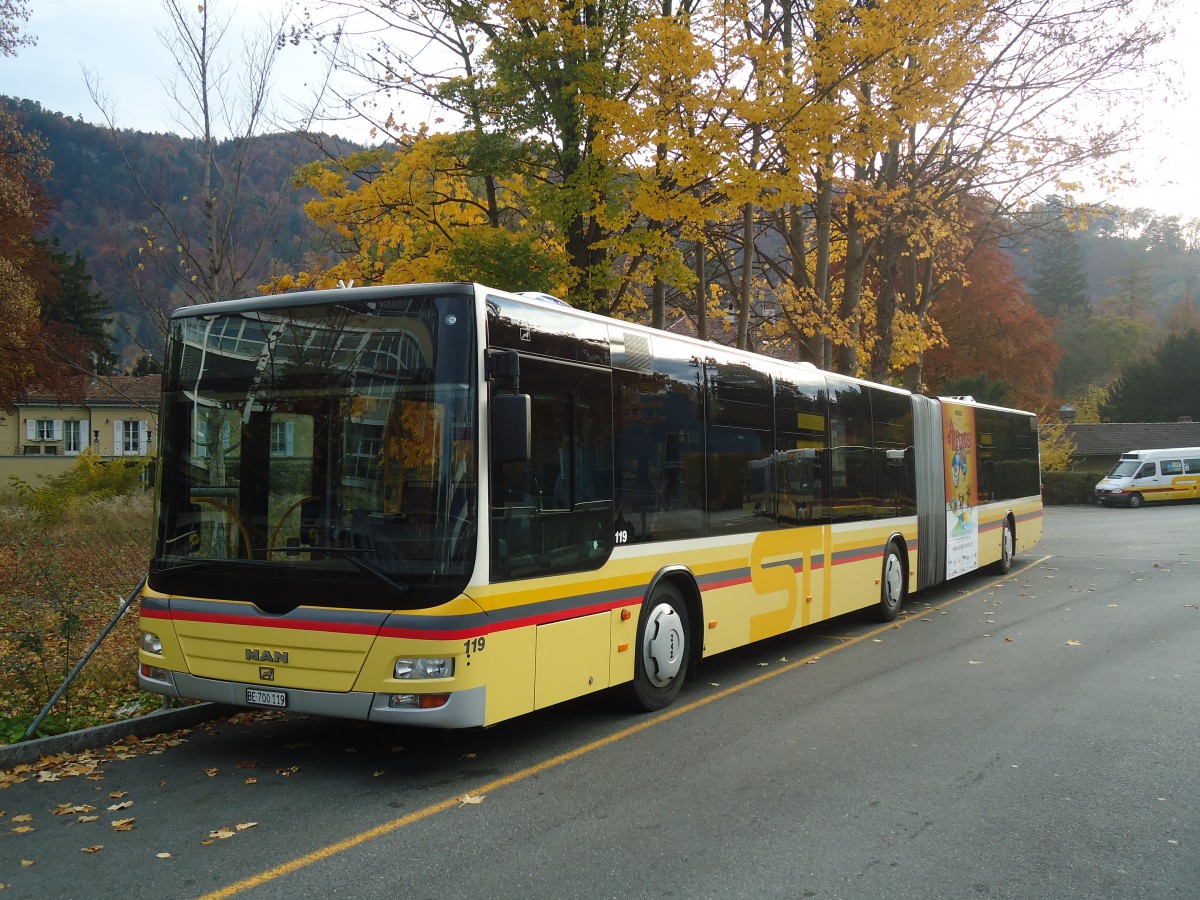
1143 476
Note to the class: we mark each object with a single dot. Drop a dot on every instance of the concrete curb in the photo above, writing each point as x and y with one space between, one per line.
102 735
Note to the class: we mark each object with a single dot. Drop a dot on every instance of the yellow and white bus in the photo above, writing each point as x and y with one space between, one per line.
445 505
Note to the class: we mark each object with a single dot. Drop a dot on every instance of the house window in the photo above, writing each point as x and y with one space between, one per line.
43 430
202 437
132 442
283 438
131 437
72 436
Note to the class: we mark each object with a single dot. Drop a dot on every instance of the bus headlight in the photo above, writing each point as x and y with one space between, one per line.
151 643
433 667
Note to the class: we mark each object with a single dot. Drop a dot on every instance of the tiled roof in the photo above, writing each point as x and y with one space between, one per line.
108 390
1114 438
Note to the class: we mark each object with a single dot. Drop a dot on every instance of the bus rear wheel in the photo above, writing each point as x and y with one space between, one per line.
663 649
892 588
1007 549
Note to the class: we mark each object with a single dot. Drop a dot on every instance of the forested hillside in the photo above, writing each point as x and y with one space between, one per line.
100 210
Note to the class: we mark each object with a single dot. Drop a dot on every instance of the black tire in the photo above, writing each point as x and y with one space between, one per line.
1008 547
664 649
1135 501
893 586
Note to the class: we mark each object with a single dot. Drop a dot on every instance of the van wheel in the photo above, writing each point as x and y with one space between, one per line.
1135 501
891 591
663 649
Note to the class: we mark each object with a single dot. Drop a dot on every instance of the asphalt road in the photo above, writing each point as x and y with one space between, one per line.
1034 736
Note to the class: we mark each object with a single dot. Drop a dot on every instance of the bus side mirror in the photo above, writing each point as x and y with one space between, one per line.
511 441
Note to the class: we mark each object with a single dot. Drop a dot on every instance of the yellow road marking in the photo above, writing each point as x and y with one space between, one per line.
492 786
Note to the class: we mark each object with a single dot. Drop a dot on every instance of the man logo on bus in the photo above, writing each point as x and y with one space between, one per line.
277 656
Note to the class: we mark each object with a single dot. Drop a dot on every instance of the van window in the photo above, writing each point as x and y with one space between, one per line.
1145 471
1191 466
1171 467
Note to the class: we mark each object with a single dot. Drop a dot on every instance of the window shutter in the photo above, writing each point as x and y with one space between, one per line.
143 438
118 438
290 438
56 429
31 429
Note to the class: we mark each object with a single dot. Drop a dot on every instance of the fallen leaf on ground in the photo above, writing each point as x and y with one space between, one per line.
116 806
1074 643
67 809
123 824
84 819
212 772
244 825
222 833
162 855
470 798
23 829
95 849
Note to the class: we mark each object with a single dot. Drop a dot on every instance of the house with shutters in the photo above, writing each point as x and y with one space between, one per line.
117 417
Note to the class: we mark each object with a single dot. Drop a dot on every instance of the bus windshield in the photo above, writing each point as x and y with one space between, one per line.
312 451
1126 468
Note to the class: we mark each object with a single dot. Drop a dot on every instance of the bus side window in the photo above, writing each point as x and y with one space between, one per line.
1191 466
1171 466
553 512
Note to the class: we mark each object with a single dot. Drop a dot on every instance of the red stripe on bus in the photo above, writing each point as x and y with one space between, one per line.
293 624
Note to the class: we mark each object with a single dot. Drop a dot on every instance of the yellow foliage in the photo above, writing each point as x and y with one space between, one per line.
1056 445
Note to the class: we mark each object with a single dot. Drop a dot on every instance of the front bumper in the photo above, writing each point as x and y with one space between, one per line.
463 709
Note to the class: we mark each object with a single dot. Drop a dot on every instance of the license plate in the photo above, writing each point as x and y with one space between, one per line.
266 698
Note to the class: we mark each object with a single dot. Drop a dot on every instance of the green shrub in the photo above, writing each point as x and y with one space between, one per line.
1068 488
91 479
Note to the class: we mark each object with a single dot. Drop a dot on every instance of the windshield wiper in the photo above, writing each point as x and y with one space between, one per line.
354 557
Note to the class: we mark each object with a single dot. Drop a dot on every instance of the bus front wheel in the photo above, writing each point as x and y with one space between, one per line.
891 592
663 649
1135 501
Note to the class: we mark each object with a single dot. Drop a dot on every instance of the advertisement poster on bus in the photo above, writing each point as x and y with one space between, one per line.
962 491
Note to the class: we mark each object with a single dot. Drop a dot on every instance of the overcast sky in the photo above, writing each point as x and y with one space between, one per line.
117 40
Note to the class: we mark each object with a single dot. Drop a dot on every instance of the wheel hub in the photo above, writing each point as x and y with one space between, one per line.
894 580
662 648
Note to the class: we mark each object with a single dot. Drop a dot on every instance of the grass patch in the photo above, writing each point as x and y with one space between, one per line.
64 570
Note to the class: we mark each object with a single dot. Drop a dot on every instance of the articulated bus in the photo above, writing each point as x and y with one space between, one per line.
445 505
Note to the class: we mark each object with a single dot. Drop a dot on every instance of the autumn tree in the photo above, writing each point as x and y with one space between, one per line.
23 206
997 344
414 211
1015 129
521 69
